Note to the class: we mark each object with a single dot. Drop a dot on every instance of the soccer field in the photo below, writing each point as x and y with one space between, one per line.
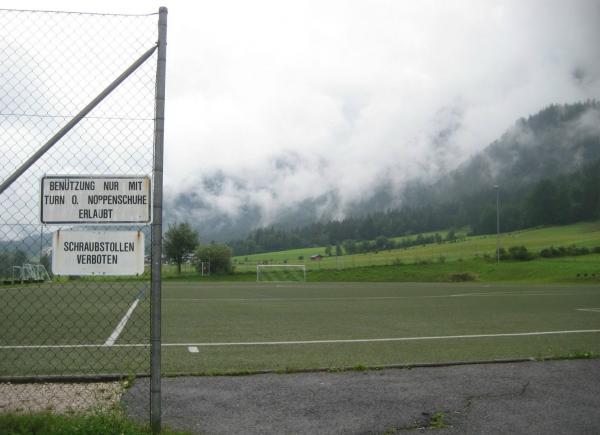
239 327
74 328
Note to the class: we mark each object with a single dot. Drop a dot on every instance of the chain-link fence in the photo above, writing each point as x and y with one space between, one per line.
71 327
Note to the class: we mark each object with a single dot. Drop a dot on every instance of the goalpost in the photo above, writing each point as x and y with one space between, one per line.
30 273
204 268
280 272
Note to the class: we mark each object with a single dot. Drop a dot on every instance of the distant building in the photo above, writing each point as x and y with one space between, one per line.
316 257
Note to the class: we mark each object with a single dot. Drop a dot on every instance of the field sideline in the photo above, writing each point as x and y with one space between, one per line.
245 327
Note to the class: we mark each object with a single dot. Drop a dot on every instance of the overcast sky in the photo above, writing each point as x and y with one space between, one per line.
297 98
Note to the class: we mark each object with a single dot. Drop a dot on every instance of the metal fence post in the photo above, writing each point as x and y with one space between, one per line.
155 390
79 103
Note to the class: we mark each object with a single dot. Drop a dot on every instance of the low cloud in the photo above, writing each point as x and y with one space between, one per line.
296 102
272 104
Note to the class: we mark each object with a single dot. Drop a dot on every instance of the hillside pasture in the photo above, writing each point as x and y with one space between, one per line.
466 247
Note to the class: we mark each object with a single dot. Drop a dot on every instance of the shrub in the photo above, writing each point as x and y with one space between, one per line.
218 256
583 251
520 253
563 251
517 253
548 252
463 277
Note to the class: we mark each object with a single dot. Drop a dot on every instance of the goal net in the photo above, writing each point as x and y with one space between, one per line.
281 272
30 273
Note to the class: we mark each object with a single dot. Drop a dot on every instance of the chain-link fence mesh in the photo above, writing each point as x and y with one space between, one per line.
52 64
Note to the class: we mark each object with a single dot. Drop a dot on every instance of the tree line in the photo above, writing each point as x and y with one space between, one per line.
10 259
551 201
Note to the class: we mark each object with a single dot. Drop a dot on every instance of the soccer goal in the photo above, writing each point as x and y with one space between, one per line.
204 267
280 272
38 272
29 273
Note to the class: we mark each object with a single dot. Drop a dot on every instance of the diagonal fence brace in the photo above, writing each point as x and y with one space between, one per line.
75 120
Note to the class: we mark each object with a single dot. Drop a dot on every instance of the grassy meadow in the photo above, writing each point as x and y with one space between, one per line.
466 248
584 269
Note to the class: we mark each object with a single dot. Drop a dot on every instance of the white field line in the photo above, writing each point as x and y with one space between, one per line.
72 346
351 298
593 310
267 343
376 340
516 293
110 341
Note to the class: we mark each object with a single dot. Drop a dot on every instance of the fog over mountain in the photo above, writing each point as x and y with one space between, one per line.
287 112
560 139
291 113
557 140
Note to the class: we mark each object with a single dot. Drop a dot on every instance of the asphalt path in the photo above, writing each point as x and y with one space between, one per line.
551 397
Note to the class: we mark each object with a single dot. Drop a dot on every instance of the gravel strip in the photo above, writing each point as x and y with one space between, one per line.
60 397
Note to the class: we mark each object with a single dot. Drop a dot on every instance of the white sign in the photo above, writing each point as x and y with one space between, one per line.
97 253
95 200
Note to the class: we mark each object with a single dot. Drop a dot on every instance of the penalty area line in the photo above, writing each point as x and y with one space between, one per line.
110 341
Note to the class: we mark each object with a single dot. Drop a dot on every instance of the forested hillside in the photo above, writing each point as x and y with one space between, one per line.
547 167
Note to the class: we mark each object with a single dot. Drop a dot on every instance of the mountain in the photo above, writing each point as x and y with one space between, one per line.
560 139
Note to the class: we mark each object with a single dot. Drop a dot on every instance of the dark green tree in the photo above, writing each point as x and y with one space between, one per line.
381 242
19 258
5 264
542 203
218 256
364 246
46 261
180 241
487 221
338 250
562 205
349 246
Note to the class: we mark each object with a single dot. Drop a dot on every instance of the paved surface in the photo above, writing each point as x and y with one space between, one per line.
557 397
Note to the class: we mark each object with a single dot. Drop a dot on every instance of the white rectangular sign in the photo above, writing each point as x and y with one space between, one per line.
95 199
98 253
